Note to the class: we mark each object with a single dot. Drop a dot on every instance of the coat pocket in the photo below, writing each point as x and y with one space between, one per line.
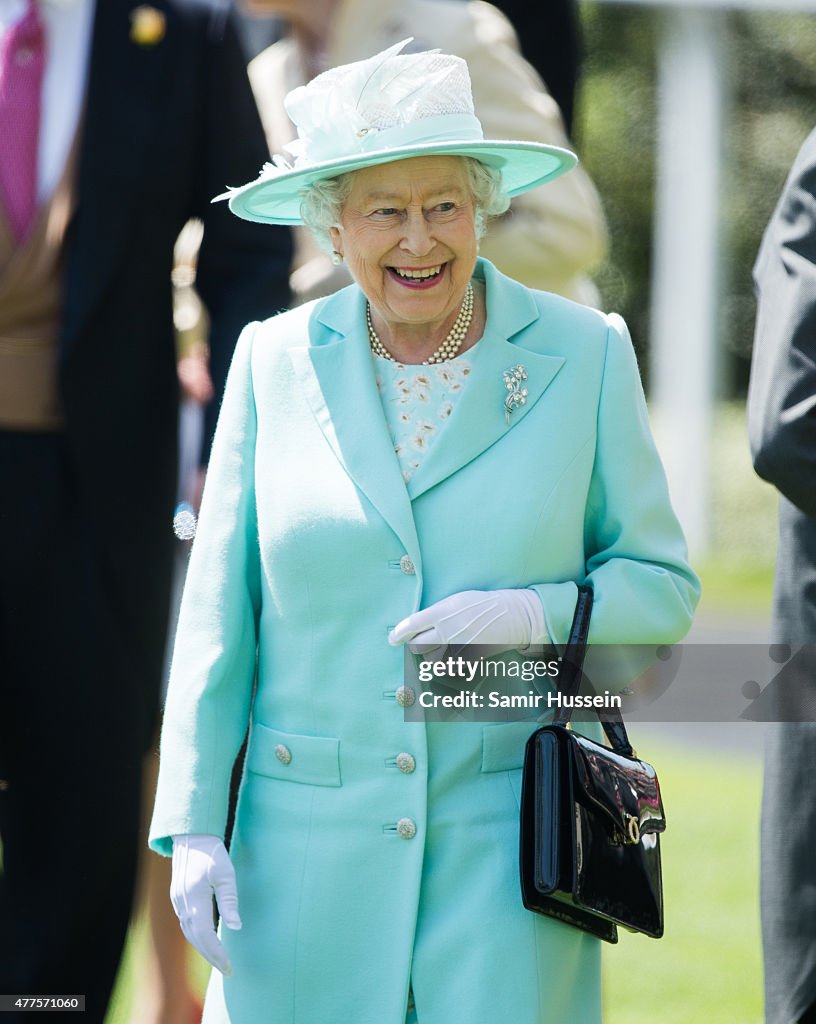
503 745
311 760
503 751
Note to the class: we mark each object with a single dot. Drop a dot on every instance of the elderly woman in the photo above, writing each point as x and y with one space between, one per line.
375 482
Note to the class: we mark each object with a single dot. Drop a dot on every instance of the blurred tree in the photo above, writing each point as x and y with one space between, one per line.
771 67
616 132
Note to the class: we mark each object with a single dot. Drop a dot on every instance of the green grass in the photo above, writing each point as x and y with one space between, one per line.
119 1009
743 507
707 966
733 585
737 572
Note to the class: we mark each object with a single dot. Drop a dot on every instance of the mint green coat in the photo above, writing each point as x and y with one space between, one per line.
300 551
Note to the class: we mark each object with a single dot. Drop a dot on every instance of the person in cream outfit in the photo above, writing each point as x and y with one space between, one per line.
553 237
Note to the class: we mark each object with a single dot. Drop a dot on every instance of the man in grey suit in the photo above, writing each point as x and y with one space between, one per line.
782 427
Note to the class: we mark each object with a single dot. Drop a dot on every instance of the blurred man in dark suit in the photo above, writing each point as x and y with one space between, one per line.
120 122
550 39
782 424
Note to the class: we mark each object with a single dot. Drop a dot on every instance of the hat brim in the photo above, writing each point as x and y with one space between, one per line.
276 195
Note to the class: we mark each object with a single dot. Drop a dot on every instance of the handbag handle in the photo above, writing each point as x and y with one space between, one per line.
571 674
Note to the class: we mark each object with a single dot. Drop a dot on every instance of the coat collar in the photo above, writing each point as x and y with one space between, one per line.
337 376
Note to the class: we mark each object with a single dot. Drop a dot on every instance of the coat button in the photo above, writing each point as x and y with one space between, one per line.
406 763
407 566
406 696
406 828
283 754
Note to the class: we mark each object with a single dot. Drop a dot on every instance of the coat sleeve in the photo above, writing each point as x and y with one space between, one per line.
213 670
636 559
554 236
782 391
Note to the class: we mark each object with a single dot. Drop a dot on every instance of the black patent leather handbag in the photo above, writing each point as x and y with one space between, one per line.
591 817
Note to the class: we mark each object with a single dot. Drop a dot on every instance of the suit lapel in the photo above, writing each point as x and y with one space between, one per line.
337 380
123 79
479 419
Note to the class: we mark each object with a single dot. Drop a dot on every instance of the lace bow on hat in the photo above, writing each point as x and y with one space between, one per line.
352 109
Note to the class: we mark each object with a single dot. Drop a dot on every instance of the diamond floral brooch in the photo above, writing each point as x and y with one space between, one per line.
516 394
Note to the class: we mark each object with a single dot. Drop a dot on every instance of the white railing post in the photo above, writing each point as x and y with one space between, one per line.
685 265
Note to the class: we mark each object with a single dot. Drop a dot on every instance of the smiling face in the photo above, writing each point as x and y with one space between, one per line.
408 237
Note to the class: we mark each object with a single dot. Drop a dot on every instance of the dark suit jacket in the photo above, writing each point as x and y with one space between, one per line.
782 395
166 127
782 426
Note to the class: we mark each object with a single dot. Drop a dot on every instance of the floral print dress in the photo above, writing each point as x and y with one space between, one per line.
418 402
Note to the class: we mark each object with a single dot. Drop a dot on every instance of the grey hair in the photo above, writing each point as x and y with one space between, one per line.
322 203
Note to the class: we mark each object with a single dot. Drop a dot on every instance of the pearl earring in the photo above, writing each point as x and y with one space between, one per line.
336 258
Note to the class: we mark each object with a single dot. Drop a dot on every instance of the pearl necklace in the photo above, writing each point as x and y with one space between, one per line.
449 347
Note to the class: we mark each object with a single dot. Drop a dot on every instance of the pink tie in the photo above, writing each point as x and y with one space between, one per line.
22 61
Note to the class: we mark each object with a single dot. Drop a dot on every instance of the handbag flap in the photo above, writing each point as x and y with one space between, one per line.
623 789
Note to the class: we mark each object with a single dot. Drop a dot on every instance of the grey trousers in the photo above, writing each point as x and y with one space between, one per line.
788 870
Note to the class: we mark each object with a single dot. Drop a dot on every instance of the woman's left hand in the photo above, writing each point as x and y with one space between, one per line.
512 620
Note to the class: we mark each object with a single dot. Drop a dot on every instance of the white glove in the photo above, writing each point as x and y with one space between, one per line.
201 867
511 620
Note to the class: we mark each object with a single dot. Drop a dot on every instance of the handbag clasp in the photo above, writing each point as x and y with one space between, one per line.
631 837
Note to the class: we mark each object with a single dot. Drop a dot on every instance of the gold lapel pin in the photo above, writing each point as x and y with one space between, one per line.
516 394
147 25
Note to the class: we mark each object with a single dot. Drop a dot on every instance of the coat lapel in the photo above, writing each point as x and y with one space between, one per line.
336 375
479 419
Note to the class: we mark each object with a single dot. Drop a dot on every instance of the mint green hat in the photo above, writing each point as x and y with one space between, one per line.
392 106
